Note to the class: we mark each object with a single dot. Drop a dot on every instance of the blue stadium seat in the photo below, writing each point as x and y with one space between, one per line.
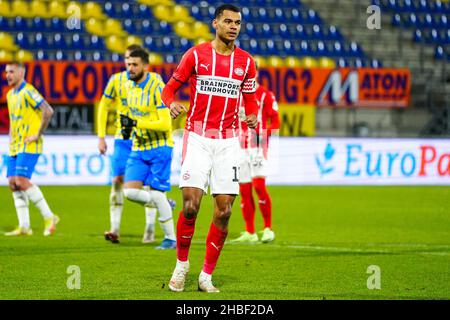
295 16
305 48
168 45
342 63
4 24
150 43
144 12
196 13
333 33
283 31
359 63
289 48
126 10
322 49
22 40
40 41
317 32
79 56
266 30
115 57
271 48
313 17
60 55
97 56
109 9
38 24
59 42
355 50
164 27
279 15
254 47
376 64
96 43
185 44
57 25
245 11
417 36
439 53
129 26
146 26
77 42
20 24
443 22
41 55
250 29
397 20
170 58
337 49
299 32
423 6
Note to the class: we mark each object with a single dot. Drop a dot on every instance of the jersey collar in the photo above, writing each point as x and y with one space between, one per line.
20 87
143 83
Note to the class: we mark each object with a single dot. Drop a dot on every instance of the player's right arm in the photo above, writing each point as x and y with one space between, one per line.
106 101
184 71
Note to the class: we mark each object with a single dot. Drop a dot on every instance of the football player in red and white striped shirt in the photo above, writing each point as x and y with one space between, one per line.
253 167
218 73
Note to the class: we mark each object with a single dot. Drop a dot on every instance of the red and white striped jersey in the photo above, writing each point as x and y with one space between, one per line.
267 110
216 83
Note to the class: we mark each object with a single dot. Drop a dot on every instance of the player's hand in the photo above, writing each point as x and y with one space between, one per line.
127 122
102 146
251 121
31 139
176 109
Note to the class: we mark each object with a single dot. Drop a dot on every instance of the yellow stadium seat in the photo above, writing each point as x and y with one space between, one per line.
260 61
115 44
201 29
292 62
39 9
308 62
6 56
156 2
184 30
7 42
181 13
93 10
5 9
57 9
133 40
325 62
162 12
200 40
21 8
95 26
275 61
24 56
155 59
114 27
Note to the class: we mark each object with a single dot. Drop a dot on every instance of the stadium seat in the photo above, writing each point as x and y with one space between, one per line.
185 44
275 61
6 56
59 42
180 13
325 62
77 42
97 56
5 9
162 12
201 30
129 26
60 55
79 56
22 40
417 36
155 59
92 9
95 27
292 62
57 9
183 29
250 29
271 48
146 26
150 43
109 9
96 43
7 42
41 55
288 47
260 61
376 64
308 62
125 10
57 24
115 44
133 40
144 12
114 27
341 63
283 31
24 56
4 24
20 24
266 30
21 8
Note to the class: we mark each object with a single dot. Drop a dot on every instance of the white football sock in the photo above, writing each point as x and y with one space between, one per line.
150 215
165 213
116 207
37 198
138 195
23 212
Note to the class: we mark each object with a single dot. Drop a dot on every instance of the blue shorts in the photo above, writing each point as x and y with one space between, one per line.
152 167
122 149
22 165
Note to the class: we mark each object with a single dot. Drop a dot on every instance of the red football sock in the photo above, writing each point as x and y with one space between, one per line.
214 244
185 232
265 203
248 206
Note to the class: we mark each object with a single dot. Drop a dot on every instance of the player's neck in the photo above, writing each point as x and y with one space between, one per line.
222 47
18 84
142 79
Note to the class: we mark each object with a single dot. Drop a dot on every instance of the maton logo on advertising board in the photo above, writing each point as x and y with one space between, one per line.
359 160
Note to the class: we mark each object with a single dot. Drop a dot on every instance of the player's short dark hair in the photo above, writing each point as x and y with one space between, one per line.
140 53
16 63
224 7
134 47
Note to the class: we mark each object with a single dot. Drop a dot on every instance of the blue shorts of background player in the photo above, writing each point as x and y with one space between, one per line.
22 165
122 150
151 167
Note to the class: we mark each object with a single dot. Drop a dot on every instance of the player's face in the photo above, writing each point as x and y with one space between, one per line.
127 57
14 74
135 67
228 25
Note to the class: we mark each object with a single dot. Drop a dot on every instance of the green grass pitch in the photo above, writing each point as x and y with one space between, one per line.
327 237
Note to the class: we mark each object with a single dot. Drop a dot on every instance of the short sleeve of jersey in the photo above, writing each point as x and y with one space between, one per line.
271 102
186 68
157 94
33 97
109 91
249 84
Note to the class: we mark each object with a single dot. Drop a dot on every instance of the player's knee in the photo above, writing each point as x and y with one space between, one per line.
131 194
22 183
117 181
223 214
12 184
190 209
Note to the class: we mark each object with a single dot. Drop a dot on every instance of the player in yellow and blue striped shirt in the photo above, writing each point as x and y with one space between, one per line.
151 157
29 116
115 96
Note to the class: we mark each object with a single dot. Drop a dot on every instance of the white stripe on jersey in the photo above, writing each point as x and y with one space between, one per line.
213 71
230 75
238 100
195 97
260 111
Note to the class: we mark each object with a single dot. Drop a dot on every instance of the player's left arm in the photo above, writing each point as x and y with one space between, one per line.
272 114
249 97
36 101
47 113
